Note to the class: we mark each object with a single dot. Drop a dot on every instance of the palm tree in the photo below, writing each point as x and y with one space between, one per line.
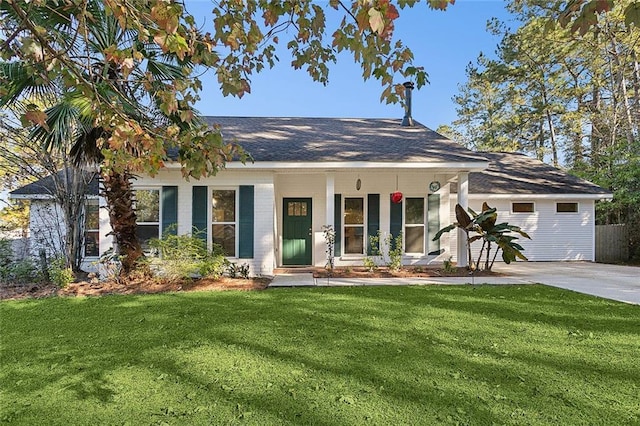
77 114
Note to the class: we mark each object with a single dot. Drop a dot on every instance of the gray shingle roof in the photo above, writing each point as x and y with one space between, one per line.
340 140
379 140
46 186
513 173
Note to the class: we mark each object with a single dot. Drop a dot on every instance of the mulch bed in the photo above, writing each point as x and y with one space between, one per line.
406 272
144 285
133 286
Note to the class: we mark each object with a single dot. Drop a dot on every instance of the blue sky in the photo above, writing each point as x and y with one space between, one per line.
442 42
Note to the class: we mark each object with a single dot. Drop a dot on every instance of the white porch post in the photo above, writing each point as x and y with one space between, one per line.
329 202
463 200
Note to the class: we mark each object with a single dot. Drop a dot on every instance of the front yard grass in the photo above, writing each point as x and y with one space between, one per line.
322 356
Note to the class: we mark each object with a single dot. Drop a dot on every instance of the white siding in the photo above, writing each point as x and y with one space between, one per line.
47 232
47 228
263 261
554 236
411 184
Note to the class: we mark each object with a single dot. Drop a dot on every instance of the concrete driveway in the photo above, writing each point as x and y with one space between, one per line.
614 282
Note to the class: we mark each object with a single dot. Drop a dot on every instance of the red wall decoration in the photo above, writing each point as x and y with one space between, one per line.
396 197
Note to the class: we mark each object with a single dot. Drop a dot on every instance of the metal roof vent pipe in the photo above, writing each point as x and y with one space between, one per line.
407 120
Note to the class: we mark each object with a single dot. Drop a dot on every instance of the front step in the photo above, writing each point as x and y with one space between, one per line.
295 270
296 279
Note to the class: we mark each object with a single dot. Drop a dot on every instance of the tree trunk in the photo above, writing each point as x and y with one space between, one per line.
620 81
74 216
595 136
540 147
118 192
636 91
552 129
552 137
70 192
577 149
486 264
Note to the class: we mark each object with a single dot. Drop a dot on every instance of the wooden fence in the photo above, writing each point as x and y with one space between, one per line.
612 243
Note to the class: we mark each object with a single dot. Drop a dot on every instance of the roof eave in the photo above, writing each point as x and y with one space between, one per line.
30 196
44 197
526 196
465 166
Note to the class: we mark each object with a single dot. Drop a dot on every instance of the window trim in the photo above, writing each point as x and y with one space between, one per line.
236 215
533 207
365 236
86 230
568 202
159 223
414 225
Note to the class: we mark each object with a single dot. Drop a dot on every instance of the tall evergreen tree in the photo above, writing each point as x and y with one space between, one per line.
569 95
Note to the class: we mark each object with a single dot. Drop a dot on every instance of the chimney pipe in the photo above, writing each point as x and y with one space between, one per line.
407 120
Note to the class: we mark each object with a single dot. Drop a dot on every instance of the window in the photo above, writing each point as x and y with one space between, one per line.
147 205
296 208
223 216
522 207
414 225
566 207
91 228
354 226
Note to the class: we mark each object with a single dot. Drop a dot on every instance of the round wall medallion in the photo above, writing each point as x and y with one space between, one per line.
434 186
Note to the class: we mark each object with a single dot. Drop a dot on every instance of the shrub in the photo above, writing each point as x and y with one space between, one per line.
330 241
234 270
6 259
447 265
6 252
492 235
387 250
59 273
187 256
369 263
395 252
16 271
110 265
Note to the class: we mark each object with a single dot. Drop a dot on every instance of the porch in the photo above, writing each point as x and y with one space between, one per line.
357 204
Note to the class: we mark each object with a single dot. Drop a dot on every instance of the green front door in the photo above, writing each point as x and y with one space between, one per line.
296 231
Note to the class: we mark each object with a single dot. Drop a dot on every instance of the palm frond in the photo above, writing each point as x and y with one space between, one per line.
19 83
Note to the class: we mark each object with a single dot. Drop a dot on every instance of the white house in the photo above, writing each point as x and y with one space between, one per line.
361 176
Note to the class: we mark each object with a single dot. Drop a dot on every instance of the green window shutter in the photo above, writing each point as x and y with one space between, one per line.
395 224
373 218
169 210
433 221
199 203
246 222
337 224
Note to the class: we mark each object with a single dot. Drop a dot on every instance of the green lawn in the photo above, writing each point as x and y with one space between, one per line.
323 356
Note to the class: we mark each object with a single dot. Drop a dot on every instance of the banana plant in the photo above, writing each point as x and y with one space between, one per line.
482 226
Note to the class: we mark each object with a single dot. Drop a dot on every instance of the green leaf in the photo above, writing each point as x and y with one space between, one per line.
632 14
442 231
